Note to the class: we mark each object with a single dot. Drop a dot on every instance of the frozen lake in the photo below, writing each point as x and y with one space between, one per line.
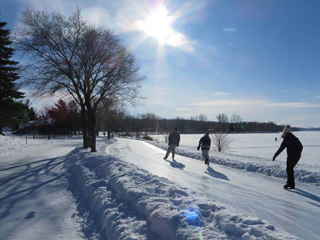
260 146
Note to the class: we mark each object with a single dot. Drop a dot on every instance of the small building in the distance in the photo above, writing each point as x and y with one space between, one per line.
39 126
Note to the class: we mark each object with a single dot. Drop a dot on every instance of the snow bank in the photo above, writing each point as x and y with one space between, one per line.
276 169
131 203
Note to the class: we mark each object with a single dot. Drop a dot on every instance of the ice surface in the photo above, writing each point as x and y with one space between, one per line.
253 153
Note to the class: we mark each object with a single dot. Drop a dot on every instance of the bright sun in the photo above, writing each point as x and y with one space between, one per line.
158 24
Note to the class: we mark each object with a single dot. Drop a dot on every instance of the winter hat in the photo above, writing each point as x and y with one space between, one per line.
207 133
287 129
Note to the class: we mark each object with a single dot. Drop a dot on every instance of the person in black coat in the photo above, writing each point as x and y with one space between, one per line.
174 140
205 143
294 149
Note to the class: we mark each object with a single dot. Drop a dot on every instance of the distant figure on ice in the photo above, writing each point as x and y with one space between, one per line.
174 140
294 149
276 139
205 143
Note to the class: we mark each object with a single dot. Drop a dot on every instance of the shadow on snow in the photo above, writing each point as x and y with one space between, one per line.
176 164
18 185
307 195
210 171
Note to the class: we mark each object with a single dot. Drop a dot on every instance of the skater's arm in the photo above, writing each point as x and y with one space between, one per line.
178 140
199 144
281 148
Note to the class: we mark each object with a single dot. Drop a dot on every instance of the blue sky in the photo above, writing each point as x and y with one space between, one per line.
256 58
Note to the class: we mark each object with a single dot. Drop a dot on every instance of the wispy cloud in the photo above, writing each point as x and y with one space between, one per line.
183 109
311 119
239 102
222 94
316 97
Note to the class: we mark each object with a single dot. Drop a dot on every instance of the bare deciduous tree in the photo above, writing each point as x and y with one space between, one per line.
235 118
222 122
202 117
220 138
69 56
221 141
108 113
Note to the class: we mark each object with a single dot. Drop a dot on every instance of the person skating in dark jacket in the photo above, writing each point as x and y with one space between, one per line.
294 149
205 143
174 140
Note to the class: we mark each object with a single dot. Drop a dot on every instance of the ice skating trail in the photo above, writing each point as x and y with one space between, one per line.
295 211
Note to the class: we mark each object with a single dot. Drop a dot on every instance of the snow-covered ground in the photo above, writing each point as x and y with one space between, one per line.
127 191
34 201
11 144
132 203
253 152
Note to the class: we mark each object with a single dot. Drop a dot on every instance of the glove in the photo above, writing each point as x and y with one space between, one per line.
274 157
198 148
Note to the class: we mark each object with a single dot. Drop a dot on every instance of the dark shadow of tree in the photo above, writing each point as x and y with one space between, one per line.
33 175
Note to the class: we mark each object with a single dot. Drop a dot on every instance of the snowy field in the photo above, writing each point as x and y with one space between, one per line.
11 144
254 152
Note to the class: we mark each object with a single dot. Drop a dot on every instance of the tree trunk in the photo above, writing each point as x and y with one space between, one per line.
109 133
84 127
98 125
93 131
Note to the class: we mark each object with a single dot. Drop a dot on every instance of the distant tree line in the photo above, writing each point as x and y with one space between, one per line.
151 123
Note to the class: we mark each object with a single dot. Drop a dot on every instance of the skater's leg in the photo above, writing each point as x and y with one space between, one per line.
205 155
290 176
173 150
291 163
168 152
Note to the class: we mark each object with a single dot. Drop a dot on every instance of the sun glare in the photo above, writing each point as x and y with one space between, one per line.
158 24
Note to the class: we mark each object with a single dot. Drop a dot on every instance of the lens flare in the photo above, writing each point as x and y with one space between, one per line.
192 215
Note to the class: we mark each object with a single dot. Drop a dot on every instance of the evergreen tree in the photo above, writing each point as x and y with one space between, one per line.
9 107
32 114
